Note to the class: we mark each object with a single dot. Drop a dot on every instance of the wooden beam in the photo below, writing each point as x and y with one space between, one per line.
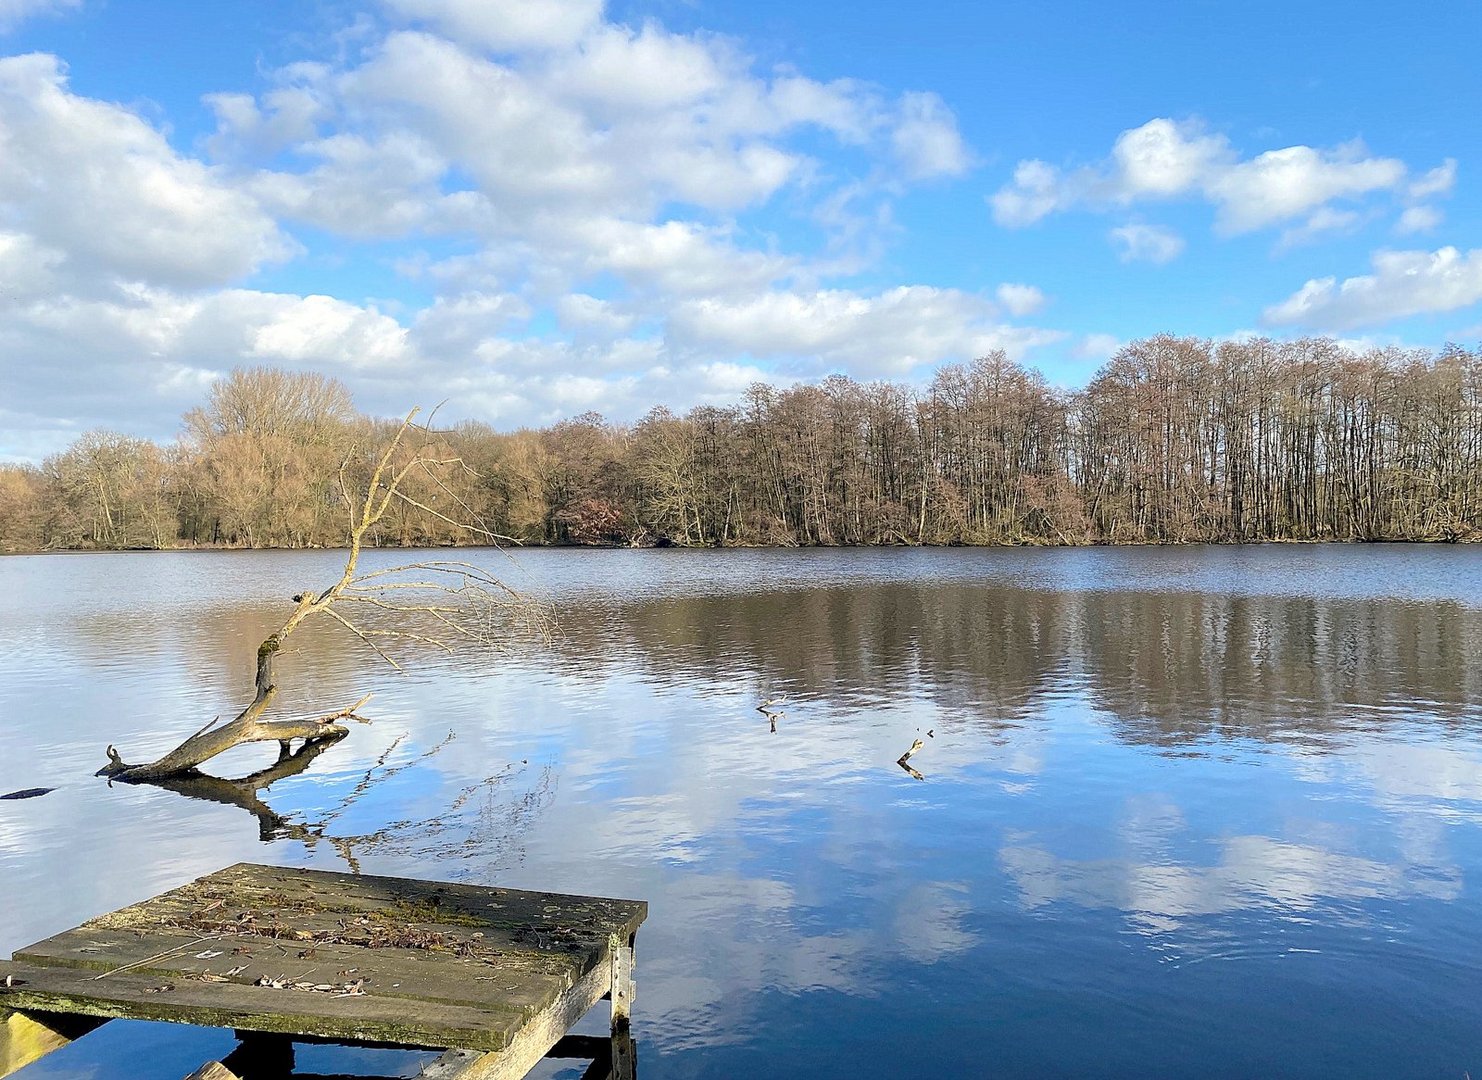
533 1040
621 953
29 1036
624 990
624 1060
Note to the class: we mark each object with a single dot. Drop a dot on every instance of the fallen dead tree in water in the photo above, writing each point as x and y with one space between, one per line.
439 604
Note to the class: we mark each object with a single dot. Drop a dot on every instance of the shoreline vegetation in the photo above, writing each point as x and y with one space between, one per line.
664 544
1174 440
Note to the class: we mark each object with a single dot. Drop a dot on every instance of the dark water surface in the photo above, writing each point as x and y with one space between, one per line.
1209 812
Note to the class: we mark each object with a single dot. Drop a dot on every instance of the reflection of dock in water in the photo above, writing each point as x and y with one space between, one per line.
493 978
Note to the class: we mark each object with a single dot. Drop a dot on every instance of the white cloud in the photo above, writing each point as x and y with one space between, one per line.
582 313
531 382
1165 159
1439 181
14 12
567 175
1146 243
520 146
619 122
1283 184
314 330
506 24
1418 219
288 115
245 326
847 108
28 270
603 120
1097 347
136 360
675 257
1020 300
617 69
366 188
1324 221
892 333
1403 283
96 183
1036 192
926 140
457 327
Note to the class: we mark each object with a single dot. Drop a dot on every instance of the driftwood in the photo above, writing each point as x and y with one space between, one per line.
247 727
435 603
904 761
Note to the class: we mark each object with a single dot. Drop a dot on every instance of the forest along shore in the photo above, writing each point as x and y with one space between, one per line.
1173 440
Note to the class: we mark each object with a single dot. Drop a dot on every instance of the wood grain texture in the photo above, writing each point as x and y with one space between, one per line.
530 1044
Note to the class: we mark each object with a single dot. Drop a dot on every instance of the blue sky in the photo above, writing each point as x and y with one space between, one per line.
531 208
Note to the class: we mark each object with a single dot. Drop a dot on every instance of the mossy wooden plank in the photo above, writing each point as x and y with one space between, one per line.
504 980
531 1043
474 907
269 902
552 947
252 1008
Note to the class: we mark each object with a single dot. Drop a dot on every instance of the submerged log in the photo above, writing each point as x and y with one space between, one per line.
27 793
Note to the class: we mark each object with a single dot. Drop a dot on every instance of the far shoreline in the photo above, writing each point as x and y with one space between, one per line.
671 546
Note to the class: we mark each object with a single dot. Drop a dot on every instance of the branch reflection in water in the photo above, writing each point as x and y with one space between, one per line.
475 822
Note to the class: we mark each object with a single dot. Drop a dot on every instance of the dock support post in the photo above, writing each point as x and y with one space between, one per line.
624 1057
624 1067
26 1037
621 952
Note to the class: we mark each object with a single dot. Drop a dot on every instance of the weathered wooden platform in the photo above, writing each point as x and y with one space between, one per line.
494 977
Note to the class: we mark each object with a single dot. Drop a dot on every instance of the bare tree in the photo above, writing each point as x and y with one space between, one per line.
437 603
108 492
268 443
1174 440
20 508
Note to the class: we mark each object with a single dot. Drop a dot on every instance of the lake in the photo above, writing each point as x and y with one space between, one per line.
1186 811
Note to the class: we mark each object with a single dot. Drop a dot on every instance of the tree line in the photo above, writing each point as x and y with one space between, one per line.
1173 440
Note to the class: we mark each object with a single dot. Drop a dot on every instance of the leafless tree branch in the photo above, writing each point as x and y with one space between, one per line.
408 601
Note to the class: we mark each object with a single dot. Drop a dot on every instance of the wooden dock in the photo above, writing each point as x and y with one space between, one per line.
492 977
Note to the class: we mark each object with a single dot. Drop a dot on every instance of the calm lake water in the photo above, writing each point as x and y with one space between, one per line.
1209 812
